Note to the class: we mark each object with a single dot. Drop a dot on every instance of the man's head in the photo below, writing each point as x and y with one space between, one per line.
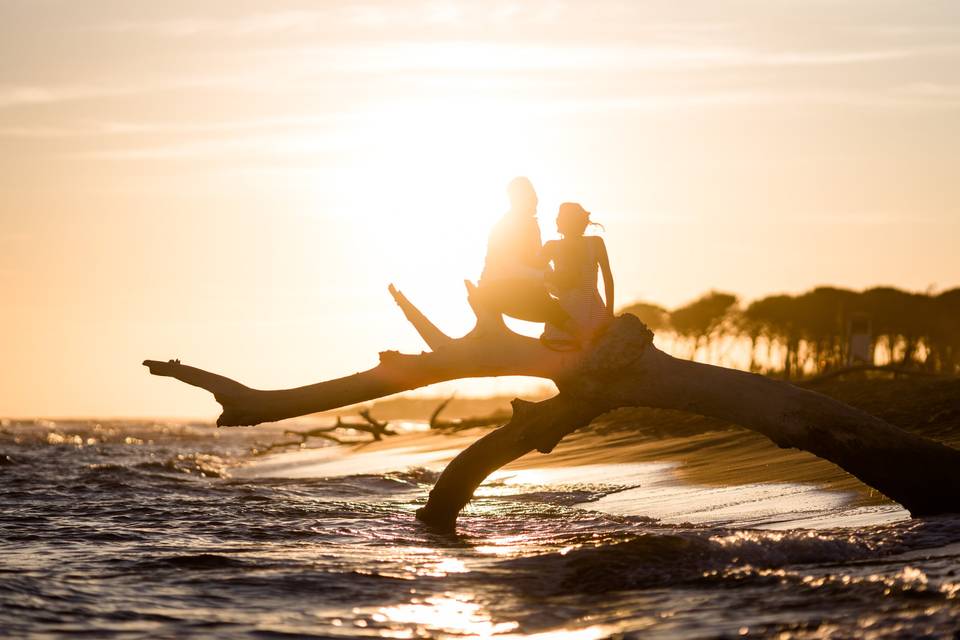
523 199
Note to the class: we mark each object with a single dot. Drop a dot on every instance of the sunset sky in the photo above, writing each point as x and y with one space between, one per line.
235 183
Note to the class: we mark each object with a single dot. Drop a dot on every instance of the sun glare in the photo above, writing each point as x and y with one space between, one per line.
428 166
425 186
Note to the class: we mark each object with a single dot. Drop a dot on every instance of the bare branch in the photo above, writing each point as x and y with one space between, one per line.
434 338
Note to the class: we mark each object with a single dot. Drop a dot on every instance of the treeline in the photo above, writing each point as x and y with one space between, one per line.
816 331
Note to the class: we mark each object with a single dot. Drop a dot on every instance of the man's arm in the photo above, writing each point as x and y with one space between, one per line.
514 251
532 246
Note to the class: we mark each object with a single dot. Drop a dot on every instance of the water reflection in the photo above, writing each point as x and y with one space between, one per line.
451 613
504 546
460 615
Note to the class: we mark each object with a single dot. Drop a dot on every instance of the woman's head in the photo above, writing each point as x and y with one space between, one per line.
572 219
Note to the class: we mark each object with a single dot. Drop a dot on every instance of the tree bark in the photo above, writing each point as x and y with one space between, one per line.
622 368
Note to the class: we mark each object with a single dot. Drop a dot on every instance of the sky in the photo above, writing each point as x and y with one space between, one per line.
234 183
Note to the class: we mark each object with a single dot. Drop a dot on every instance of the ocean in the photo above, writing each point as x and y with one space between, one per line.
147 529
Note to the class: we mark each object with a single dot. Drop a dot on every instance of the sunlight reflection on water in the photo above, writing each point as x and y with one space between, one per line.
460 615
454 613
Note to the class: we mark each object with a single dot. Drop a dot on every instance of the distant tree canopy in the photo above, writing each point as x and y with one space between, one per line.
652 315
819 330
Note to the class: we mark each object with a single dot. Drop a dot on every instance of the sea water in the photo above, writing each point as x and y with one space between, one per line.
156 530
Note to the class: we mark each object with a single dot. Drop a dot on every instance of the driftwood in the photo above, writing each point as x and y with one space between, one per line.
461 424
622 368
303 436
370 425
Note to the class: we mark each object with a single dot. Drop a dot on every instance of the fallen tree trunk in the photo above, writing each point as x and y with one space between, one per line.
622 369
917 472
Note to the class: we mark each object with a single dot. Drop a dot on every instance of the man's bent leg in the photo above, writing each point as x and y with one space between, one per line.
525 300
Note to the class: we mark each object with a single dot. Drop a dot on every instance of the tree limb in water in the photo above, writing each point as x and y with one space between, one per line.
496 418
620 369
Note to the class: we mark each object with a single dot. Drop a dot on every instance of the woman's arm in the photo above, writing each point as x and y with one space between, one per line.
547 255
604 263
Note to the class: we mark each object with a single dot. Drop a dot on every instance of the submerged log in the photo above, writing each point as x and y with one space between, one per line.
620 369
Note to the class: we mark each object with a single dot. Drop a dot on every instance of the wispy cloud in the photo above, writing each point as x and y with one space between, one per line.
29 95
289 70
38 94
260 145
930 90
480 56
298 137
17 96
250 25
350 19
298 122
881 99
814 58
908 30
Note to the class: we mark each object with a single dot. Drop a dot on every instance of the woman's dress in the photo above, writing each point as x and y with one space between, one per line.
578 294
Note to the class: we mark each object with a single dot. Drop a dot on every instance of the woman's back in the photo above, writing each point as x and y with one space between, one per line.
576 261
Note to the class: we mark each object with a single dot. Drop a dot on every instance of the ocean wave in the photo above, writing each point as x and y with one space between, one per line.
671 556
173 468
192 562
416 476
200 464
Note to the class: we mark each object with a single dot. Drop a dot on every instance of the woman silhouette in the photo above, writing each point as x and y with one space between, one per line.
576 259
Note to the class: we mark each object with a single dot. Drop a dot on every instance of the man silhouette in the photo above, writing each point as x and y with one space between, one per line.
514 272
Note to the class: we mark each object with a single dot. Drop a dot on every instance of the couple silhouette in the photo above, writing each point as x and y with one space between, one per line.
554 283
